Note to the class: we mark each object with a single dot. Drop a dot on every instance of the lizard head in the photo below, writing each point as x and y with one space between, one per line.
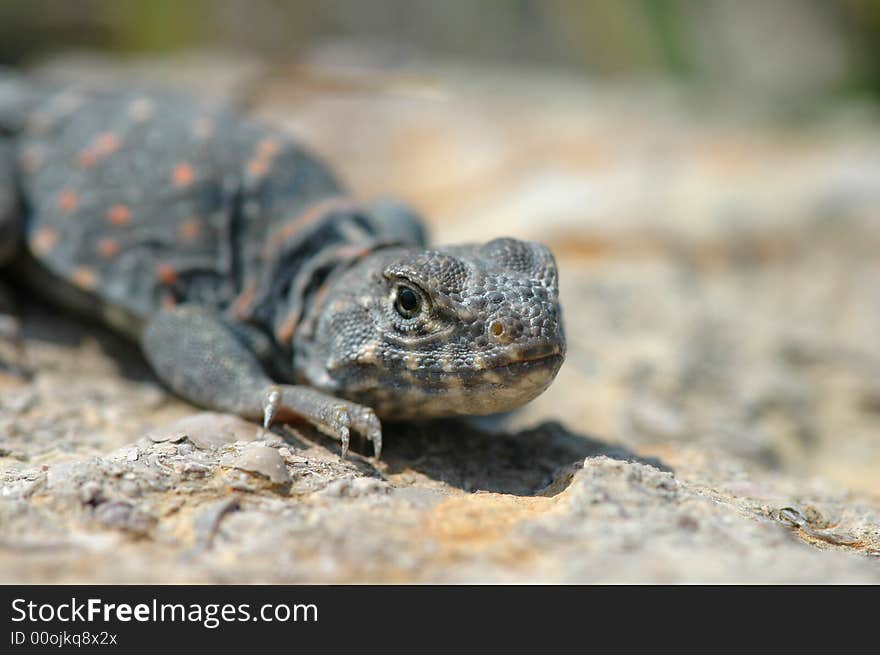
428 333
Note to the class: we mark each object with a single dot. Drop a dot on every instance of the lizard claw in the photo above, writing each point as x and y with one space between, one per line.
344 436
372 430
376 438
341 425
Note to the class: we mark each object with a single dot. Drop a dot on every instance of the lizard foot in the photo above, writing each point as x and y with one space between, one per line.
328 413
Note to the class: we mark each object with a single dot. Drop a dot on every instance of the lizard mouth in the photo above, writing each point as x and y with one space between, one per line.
538 355
530 372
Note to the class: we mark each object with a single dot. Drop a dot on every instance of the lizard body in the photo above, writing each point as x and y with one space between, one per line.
252 281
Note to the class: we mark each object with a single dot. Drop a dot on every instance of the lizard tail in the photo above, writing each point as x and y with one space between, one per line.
17 97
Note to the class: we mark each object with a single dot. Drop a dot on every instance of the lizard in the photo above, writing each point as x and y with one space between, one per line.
254 282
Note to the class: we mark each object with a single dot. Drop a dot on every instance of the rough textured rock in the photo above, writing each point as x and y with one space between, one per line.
717 418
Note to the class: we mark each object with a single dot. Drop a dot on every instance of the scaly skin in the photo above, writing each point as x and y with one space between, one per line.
252 282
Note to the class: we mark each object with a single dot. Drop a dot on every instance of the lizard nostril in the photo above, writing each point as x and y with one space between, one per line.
497 328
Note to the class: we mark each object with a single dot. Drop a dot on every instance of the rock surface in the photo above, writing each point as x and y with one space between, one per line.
717 418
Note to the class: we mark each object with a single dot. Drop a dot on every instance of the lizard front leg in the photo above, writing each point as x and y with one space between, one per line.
200 358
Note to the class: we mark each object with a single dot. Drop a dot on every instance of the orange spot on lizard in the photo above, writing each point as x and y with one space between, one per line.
85 277
119 214
189 229
67 200
43 240
183 175
166 274
108 248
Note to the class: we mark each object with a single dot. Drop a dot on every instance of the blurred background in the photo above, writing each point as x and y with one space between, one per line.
706 171
795 50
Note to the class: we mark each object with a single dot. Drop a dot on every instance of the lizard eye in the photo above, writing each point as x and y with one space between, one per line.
407 302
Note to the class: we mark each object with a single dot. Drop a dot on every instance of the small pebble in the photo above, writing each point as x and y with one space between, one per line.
264 461
790 516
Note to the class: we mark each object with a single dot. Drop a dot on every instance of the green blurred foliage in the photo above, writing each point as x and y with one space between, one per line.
691 39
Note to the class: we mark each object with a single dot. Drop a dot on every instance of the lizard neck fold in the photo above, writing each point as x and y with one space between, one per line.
298 258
